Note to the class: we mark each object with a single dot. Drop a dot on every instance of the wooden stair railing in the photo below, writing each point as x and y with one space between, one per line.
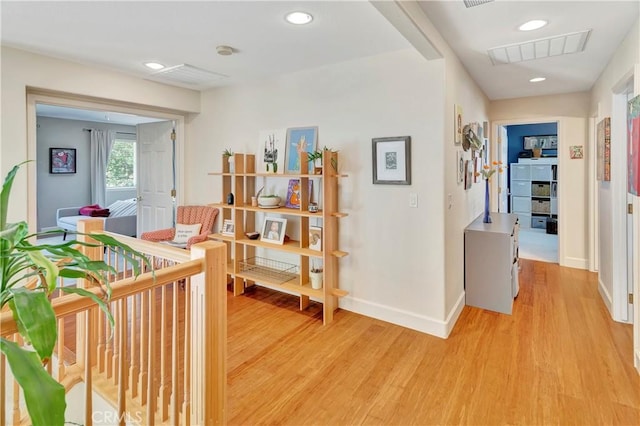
164 361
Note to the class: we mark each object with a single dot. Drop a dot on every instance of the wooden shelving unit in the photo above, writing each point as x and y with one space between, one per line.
242 183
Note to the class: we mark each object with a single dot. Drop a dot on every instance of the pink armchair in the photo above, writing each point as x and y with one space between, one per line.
188 215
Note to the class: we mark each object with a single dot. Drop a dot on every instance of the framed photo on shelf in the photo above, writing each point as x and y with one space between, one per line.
315 238
273 230
299 139
271 151
228 227
62 160
293 193
392 160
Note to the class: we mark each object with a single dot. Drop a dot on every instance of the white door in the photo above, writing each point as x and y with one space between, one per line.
503 156
155 176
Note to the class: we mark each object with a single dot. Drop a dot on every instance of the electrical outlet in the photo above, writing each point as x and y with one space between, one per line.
449 201
413 200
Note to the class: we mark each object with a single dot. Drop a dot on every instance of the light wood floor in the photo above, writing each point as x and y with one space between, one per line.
559 359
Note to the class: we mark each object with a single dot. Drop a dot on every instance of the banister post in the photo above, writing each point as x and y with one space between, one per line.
87 226
86 323
209 335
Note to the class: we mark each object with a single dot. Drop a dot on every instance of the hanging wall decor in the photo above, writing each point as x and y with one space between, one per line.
457 124
633 147
575 151
603 169
392 160
62 160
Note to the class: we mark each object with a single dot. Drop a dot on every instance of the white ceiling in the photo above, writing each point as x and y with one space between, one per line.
472 31
122 35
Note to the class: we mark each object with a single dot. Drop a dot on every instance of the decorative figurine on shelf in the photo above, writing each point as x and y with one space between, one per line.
230 198
486 172
228 154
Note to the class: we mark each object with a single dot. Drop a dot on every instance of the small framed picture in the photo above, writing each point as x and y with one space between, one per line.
299 139
392 160
576 152
459 166
62 160
270 158
457 112
227 227
273 230
294 193
315 238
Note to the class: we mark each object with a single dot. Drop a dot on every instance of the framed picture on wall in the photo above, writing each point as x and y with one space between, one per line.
603 145
62 160
392 160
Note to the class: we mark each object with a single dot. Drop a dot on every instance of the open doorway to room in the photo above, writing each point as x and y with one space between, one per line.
69 133
532 179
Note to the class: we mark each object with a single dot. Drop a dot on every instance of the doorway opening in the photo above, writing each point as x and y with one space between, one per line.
69 123
531 152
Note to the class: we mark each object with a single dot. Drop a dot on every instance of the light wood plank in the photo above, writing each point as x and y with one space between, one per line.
559 359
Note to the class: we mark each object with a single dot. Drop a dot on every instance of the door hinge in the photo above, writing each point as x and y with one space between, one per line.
630 208
499 190
173 193
630 298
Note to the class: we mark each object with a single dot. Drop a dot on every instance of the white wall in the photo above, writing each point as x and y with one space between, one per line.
67 190
396 267
619 69
21 70
461 206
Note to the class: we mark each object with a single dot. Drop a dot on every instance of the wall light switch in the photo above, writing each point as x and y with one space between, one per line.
413 200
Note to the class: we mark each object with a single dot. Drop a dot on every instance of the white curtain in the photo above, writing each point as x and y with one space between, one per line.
101 144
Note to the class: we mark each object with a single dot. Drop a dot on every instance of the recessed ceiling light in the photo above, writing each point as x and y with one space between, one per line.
532 25
537 79
298 18
154 65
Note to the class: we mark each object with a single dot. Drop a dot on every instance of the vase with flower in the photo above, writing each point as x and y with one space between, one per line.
487 171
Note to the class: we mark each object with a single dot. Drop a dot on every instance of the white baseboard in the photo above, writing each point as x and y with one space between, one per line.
404 318
575 262
606 297
636 361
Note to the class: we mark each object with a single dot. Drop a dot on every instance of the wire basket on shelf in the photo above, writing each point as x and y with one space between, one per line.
263 268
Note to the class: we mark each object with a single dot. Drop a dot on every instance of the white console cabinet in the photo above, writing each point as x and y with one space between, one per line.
491 262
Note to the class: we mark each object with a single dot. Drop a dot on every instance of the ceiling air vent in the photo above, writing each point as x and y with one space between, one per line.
472 3
564 44
187 76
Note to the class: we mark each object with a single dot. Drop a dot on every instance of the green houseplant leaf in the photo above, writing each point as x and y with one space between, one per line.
20 260
36 320
43 395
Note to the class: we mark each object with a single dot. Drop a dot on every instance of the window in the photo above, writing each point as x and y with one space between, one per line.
121 171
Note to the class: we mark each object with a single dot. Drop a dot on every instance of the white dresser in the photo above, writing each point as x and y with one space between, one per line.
491 262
